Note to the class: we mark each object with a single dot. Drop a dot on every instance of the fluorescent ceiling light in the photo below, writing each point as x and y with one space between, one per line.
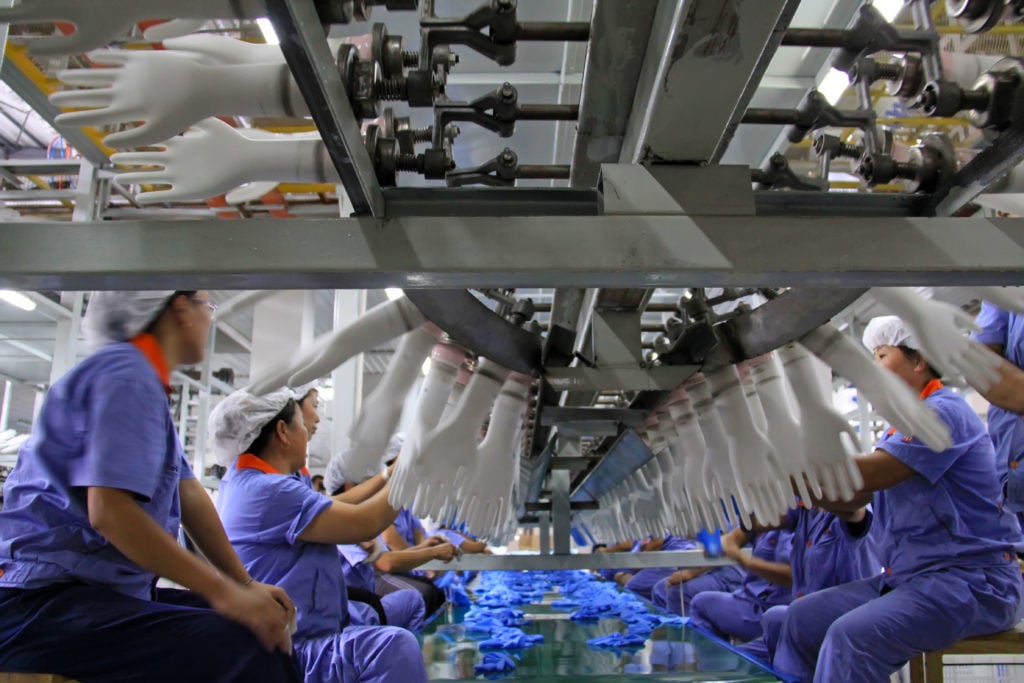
17 299
267 29
394 293
888 8
834 85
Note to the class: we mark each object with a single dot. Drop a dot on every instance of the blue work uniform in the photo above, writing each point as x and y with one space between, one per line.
1005 428
72 603
609 574
738 614
678 597
403 608
947 549
644 581
265 512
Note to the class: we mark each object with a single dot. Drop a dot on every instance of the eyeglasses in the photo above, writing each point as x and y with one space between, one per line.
209 304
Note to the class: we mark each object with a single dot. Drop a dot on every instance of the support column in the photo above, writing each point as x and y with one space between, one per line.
346 380
65 348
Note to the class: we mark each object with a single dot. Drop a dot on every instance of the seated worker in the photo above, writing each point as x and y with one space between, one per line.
91 515
643 581
738 614
945 542
829 549
288 534
675 593
404 608
609 574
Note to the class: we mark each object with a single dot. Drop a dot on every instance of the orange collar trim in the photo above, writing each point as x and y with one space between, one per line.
305 471
150 348
930 388
248 461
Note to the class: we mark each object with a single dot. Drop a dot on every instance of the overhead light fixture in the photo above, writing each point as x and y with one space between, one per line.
834 85
17 299
267 29
394 293
890 9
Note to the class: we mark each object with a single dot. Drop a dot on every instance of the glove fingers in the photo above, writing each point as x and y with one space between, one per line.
89 78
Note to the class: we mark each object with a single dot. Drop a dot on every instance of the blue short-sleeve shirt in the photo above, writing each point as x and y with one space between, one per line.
947 514
358 572
771 546
825 553
1005 428
264 513
106 423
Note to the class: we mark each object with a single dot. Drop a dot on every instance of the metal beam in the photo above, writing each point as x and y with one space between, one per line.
304 45
524 251
27 348
701 46
662 558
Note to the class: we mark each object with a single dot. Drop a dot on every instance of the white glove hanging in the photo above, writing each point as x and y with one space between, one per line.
751 454
783 427
821 427
445 361
719 479
940 331
378 325
453 444
690 450
99 22
213 158
382 409
486 488
889 395
675 511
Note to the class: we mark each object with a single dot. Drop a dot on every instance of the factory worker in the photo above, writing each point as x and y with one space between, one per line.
609 573
675 593
287 534
643 581
1003 332
828 550
738 614
405 608
91 516
946 544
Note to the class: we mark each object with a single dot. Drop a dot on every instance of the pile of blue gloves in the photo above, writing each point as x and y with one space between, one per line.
495 662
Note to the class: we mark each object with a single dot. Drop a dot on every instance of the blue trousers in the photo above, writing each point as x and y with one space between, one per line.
863 631
643 581
771 627
727 615
404 609
363 654
91 633
671 598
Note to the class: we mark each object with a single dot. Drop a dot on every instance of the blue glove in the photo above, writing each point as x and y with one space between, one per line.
458 596
618 640
510 638
565 602
712 542
495 662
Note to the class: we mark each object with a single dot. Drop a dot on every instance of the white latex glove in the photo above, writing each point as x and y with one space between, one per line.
487 489
378 325
169 92
251 192
445 361
719 479
783 427
215 50
940 330
213 158
99 22
382 409
1006 298
751 454
453 444
821 427
689 450
889 395
461 380
173 28
675 512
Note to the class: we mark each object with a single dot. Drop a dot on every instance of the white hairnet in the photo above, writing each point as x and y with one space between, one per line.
299 392
119 316
237 420
888 330
334 475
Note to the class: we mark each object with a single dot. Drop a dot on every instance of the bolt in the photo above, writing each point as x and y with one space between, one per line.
422 134
392 89
451 131
410 59
507 158
849 151
889 72
976 100
906 170
409 163
506 5
507 92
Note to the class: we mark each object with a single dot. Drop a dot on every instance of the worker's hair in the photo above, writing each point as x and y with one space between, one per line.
181 292
263 438
913 355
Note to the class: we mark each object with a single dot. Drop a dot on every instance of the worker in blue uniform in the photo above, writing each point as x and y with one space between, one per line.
91 517
287 534
676 592
945 542
737 614
643 581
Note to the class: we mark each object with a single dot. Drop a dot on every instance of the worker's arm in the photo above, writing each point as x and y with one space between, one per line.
203 526
394 540
364 491
684 575
620 547
392 561
345 523
473 547
653 545
777 572
116 515
879 470
1008 392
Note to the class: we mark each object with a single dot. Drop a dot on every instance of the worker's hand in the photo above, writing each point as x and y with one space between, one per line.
277 593
444 552
731 548
257 609
681 576
941 332
889 395
213 157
